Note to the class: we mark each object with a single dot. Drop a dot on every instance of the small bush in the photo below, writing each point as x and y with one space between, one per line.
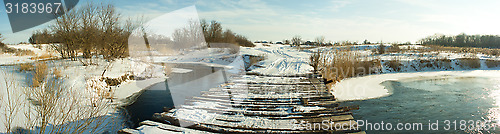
393 49
16 52
57 73
492 63
470 63
381 48
395 65
314 60
443 63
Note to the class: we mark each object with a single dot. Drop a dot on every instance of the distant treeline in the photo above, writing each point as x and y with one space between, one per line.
463 40
213 33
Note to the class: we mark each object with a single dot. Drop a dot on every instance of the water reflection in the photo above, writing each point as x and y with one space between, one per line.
494 112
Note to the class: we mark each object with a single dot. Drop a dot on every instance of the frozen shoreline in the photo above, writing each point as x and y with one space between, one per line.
369 87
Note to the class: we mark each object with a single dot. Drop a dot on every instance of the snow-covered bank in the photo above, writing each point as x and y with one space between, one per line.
41 51
369 87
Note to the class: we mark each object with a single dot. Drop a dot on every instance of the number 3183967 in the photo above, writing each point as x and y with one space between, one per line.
32 8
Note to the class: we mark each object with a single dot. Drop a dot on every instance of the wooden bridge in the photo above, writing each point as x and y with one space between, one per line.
256 103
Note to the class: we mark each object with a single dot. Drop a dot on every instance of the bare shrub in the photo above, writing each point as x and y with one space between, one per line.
314 60
381 48
296 41
471 63
492 63
443 63
394 64
57 108
10 102
53 107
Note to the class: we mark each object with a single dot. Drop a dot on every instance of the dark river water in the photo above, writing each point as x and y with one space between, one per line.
433 105
174 91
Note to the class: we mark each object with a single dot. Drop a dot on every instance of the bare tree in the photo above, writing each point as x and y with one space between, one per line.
189 36
215 32
93 30
320 40
64 29
286 42
296 41
229 36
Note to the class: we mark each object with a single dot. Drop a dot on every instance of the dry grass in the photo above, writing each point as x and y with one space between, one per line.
393 49
492 63
470 63
17 52
344 64
39 74
43 56
487 51
23 67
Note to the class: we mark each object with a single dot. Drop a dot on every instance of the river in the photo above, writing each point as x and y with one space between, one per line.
444 104
174 91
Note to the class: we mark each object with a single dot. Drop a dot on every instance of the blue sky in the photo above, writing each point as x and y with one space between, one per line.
337 20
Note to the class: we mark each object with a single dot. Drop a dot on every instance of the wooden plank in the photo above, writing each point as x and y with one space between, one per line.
269 99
